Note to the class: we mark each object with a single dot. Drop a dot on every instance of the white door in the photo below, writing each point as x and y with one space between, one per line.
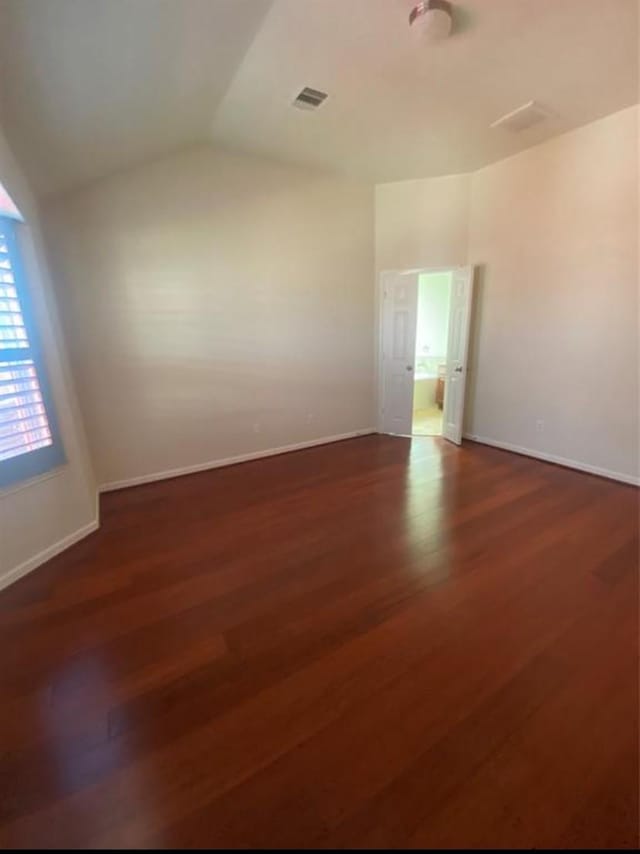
457 350
399 321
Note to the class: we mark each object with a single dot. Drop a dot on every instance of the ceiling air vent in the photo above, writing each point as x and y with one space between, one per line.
309 99
523 118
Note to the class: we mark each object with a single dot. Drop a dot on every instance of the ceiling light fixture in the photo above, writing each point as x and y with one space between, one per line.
433 19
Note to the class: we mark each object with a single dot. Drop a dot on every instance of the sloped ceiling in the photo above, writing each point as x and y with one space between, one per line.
91 87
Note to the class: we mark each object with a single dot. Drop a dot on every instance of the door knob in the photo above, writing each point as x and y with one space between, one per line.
409 367
459 369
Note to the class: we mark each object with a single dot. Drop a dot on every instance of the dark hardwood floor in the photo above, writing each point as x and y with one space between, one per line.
374 643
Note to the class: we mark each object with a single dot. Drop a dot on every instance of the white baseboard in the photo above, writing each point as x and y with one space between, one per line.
42 557
231 461
551 458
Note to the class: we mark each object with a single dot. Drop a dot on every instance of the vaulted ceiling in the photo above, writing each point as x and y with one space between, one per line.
91 86
88 88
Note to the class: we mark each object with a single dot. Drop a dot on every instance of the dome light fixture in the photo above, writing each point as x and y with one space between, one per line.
432 19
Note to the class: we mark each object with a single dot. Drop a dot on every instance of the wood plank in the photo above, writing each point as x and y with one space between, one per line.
374 643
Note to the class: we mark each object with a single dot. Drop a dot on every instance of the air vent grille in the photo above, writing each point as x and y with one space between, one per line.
523 117
309 99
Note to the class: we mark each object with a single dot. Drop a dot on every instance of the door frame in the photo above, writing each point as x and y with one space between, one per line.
380 321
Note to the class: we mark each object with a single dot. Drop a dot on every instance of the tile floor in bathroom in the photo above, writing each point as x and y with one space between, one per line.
427 422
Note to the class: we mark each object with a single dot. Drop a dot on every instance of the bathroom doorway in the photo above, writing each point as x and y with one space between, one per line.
422 356
432 334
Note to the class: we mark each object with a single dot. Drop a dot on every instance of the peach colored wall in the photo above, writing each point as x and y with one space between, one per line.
554 232
422 223
215 305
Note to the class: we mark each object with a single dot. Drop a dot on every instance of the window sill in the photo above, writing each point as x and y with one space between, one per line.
6 491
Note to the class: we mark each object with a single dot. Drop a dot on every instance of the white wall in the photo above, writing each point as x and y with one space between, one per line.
39 516
434 290
422 223
555 233
215 305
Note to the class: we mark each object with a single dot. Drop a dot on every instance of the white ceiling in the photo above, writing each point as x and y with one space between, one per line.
89 87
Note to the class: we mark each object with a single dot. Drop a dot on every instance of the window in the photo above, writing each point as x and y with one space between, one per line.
29 442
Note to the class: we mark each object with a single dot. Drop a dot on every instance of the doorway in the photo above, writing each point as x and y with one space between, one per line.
432 335
402 349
